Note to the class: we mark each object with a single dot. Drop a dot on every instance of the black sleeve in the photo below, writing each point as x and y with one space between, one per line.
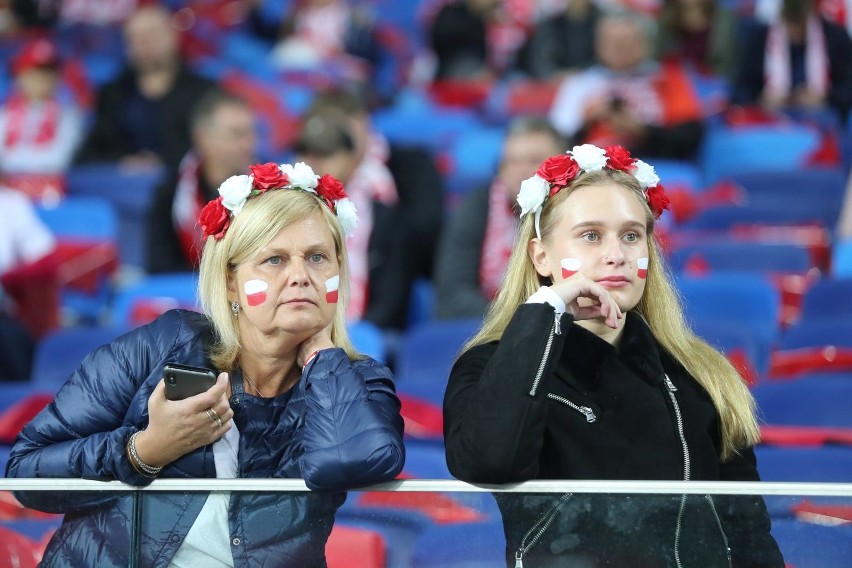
748 74
457 291
840 61
164 253
679 141
104 143
495 406
745 518
421 194
389 269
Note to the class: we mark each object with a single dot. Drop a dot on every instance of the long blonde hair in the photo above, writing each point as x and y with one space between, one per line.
262 218
659 306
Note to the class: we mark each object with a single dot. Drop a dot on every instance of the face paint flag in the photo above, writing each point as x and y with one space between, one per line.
570 266
331 286
642 263
255 292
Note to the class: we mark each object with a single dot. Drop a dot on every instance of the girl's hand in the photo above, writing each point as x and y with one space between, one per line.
602 304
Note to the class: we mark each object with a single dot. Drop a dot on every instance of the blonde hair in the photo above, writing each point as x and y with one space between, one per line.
262 218
659 306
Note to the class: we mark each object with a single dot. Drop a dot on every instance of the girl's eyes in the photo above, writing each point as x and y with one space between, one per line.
631 237
590 236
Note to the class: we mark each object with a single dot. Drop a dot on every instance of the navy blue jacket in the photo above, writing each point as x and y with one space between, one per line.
338 428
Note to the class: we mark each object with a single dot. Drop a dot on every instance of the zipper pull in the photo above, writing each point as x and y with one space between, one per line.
519 558
588 413
557 325
670 384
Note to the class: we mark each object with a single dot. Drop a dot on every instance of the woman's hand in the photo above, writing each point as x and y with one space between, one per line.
319 340
176 427
602 304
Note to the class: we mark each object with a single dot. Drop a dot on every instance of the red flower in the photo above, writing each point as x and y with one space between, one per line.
619 159
558 170
658 201
268 176
330 189
214 219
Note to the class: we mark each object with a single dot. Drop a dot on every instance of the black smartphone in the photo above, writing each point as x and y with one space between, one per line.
183 381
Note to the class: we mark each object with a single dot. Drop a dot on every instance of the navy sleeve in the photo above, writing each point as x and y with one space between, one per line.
82 434
352 433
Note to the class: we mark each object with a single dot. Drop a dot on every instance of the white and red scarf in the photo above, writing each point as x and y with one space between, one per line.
500 230
186 207
371 181
777 65
30 123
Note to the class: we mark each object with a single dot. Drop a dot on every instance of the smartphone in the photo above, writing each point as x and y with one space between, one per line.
183 381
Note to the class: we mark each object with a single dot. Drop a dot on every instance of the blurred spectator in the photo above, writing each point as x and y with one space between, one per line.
390 174
143 115
562 43
379 271
800 62
16 15
224 144
24 241
39 132
628 99
700 33
459 36
315 32
476 244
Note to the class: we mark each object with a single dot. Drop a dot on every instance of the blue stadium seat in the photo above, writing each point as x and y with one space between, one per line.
424 125
800 211
823 465
814 183
60 352
841 259
726 150
81 218
679 173
144 300
732 338
743 256
742 299
368 339
475 156
828 299
426 354
812 401
837 332
810 545
468 545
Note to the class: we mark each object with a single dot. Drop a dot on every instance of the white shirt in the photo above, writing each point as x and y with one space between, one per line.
208 542
23 236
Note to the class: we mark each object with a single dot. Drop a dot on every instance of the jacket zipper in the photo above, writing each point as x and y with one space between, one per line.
584 410
721 529
556 330
539 528
686 469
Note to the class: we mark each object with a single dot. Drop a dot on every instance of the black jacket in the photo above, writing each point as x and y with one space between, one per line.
594 412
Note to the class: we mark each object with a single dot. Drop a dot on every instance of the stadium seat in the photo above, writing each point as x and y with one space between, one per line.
806 212
841 259
827 299
145 300
470 545
821 184
822 345
474 157
741 256
811 545
59 353
18 551
738 343
426 354
354 547
367 339
815 401
746 300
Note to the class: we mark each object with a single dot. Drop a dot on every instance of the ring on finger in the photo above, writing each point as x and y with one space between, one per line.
214 417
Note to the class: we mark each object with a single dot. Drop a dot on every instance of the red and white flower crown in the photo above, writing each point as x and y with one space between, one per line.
216 216
559 171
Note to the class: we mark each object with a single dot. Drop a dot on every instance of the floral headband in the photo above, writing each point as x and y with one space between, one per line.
215 217
557 172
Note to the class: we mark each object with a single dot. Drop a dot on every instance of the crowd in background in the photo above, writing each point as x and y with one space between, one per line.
184 89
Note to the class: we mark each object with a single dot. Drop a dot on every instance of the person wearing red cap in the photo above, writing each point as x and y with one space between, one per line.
39 132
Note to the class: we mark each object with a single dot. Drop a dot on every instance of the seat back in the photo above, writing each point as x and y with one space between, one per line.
145 300
60 352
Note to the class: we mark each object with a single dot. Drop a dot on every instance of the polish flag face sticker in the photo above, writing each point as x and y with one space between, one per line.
570 266
642 263
255 292
331 286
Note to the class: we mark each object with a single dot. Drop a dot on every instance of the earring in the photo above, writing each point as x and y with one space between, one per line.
235 309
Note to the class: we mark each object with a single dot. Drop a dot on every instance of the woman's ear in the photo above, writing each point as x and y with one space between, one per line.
233 294
539 258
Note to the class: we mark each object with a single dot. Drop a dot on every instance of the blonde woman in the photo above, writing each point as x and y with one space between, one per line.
292 398
585 369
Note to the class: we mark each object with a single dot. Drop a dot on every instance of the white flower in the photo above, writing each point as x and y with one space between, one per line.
645 174
346 215
533 192
590 158
234 191
301 175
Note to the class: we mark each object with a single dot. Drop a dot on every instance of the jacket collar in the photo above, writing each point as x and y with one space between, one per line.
586 354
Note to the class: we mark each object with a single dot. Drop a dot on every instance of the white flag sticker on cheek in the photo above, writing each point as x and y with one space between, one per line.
570 266
255 292
331 286
642 263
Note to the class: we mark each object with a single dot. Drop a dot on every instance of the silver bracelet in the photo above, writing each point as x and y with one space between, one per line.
137 463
